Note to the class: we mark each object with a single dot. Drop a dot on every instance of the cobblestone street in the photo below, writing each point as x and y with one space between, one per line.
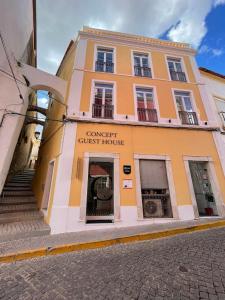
190 266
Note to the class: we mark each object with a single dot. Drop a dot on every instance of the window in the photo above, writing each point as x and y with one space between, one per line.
103 99
175 68
220 104
185 110
141 65
104 61
145 105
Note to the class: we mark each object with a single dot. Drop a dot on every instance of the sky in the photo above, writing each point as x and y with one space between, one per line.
200 23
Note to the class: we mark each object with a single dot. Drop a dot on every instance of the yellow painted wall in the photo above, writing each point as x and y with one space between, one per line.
125 81
52 137
151 141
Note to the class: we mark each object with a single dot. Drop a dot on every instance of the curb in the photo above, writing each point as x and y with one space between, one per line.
60 249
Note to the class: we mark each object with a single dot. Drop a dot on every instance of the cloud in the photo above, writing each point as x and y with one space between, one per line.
43 102
183 20
219 2
213 51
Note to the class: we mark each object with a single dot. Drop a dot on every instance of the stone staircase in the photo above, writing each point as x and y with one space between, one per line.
19 215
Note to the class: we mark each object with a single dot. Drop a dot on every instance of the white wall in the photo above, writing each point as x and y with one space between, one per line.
16 26
216 88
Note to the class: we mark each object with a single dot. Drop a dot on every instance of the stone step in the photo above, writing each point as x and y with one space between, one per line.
21 216
16 200
13 184
24 229
17 193
17 188
17 208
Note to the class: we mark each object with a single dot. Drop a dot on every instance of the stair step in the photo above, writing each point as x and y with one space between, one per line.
21 216
16 200
18 193
16 188
13 184
17 208
24 229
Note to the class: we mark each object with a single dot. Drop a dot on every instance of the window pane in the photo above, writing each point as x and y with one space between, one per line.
171 66
187 103
109 57
178 67
179 103
100 56
98 96
145 61
137 61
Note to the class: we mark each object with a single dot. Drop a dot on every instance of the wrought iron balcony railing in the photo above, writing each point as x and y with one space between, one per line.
188 118
222 114
147 115
101 66
178 76
142 71
102 111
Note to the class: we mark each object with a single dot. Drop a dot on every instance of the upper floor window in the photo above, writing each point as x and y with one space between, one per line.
104 62
145 105
185 109
103 101
220 104
176 69
141 65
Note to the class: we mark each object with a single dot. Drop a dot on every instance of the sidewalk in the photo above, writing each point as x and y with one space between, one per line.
61 243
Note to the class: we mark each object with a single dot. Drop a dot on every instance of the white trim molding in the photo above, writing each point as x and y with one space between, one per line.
106 46
116 173
213 180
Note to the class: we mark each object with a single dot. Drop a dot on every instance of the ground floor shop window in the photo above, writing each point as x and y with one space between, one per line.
100 200
202 187
154 189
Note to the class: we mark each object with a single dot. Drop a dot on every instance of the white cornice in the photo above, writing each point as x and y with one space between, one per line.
138 41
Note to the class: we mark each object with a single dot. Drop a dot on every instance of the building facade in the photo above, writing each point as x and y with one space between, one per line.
136 145
215 84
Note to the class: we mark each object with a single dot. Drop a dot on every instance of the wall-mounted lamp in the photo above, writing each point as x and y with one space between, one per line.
206 123
169 120
126 117
37 134
83 113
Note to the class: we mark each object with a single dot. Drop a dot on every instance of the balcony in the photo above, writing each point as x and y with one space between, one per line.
102 111
101 66
147 115
178 76
188 118
142 71
222 115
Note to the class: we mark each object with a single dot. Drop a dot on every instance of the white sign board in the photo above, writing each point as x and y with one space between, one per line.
127 184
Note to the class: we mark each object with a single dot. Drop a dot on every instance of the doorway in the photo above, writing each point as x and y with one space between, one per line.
204 196
47 188
100 195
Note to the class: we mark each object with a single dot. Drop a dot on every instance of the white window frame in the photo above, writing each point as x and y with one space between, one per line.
133 51
92 96
167 57
116 184
193 103
155 99
96 53
213 181
169 173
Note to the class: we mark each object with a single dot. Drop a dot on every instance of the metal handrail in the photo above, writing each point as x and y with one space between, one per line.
178 76
147 115
102 111
101 66
142 71
188 118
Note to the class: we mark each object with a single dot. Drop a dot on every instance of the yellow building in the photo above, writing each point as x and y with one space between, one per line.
135 145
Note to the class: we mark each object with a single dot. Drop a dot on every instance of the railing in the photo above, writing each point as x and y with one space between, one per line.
222 114
102 111
188 118
147 115
142 71
101 66
179 76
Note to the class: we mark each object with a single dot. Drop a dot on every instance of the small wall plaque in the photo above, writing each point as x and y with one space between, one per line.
127 184
126 169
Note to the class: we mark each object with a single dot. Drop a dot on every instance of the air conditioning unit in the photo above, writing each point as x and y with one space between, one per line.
152 208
